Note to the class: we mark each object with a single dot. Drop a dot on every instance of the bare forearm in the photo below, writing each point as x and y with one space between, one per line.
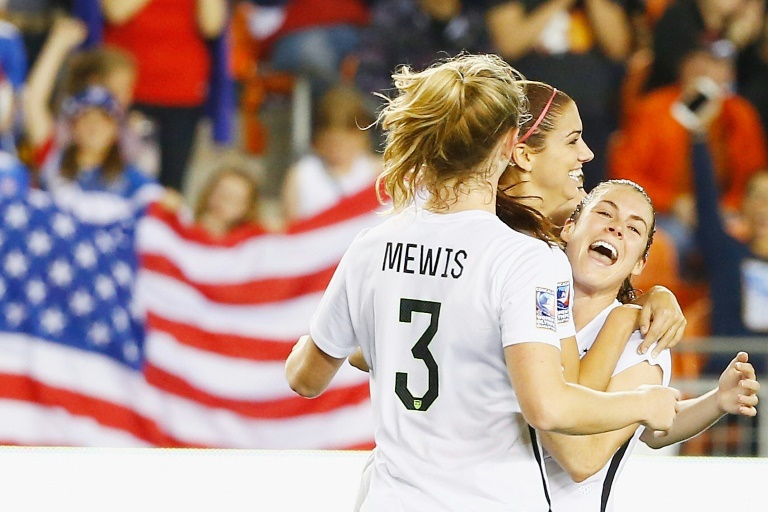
42 76
549 403
38 120
211 17
694 416
66 34
122 11
514 32
308 369
583 456
289 196
612 28
585 411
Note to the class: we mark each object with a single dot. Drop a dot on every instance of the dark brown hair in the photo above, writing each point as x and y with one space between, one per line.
539 94
510 209
526 219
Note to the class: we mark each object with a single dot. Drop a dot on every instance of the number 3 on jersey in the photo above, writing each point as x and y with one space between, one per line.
420 351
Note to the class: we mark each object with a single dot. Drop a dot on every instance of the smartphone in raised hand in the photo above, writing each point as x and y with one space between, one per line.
690 106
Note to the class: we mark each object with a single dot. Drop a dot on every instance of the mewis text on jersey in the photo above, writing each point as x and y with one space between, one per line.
418 259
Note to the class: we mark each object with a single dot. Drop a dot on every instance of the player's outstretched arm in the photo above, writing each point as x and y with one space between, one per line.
308 369
736 394
549 403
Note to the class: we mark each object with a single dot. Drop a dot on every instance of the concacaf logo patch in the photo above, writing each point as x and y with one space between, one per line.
563 302
545 309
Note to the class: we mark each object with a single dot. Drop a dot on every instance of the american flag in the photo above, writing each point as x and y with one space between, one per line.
147 332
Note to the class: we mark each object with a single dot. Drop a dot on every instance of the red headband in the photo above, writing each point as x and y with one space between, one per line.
540 118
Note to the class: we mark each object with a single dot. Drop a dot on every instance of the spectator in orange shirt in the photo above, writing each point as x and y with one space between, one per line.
654 150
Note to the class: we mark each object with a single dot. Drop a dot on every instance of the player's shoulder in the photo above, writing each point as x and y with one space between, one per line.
520 255
516 240
532 251
631 357
557 252
384 228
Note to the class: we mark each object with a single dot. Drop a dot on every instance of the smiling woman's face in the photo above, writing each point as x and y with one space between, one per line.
556 174
557 171
607 243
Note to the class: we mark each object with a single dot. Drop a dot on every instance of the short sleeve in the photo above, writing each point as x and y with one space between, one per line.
630 357
528 307
331 326
565 326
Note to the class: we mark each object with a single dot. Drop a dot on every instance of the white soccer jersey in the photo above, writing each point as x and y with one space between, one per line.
594 494
433 299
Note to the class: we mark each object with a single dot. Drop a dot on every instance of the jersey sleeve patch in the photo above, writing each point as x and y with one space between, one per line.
563 302
545 309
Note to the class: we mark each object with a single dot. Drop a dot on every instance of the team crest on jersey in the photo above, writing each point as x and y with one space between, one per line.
545 308
563 302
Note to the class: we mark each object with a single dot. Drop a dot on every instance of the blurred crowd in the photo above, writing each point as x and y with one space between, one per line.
105 97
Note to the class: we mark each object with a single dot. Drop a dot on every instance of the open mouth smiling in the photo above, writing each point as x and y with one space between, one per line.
605 252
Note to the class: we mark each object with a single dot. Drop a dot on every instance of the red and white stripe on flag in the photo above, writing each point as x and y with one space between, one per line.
222 316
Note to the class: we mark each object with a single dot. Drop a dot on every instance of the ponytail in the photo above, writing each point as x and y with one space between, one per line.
525 219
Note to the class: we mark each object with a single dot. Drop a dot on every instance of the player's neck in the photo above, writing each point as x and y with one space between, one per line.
466 196
588 304
464 202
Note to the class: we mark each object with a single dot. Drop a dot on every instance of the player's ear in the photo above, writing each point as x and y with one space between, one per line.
639 266
567 230
523 157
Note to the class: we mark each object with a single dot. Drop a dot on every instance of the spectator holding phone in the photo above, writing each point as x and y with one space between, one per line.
655 149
